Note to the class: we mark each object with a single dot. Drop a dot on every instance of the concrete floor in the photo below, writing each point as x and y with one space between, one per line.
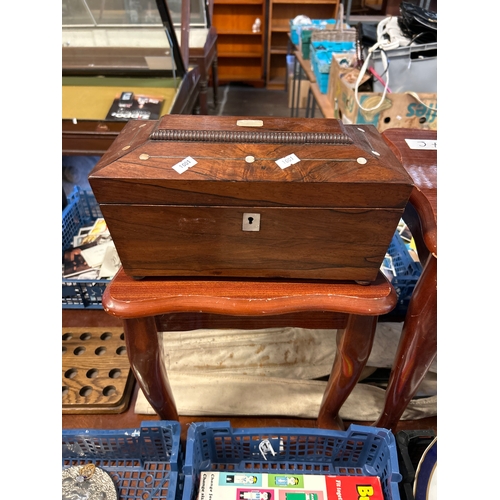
239 99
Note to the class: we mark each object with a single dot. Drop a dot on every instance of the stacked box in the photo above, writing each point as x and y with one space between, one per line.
306 34
300 93
321 59
396 110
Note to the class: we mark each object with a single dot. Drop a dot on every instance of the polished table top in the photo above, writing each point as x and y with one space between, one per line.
126 297
421 164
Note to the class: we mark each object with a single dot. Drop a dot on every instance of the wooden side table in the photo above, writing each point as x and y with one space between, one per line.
161 304
418 345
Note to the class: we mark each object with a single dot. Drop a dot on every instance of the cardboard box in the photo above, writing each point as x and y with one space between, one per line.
398 110
304 89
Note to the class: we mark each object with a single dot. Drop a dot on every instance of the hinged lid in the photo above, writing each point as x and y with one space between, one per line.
262 161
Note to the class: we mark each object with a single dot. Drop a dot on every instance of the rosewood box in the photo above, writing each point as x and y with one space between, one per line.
263 197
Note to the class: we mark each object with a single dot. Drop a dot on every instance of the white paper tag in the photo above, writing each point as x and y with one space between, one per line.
95 255
422 143
287 161
183 165
110 264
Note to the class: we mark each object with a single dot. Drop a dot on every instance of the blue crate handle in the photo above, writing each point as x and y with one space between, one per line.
154 441
224 428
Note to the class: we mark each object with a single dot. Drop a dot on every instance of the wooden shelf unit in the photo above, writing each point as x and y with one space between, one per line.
240 51
279 16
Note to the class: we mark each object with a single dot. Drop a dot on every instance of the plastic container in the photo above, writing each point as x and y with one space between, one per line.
296 29
294 35
305 33
411 69
83 294
407 272
143 463
357 451
411 445
82 210
321 62
321 59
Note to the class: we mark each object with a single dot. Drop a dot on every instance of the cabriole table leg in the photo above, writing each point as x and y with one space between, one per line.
417 347
354 345
146 361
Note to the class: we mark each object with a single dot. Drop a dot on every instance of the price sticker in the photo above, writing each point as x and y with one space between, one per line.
287 161
422 143
184 165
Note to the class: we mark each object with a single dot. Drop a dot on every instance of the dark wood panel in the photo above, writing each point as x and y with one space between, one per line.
421 164
291 243
340 165
189 321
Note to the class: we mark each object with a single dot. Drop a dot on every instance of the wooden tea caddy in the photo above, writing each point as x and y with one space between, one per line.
266 197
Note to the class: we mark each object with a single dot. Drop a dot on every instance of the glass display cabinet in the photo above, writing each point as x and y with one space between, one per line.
139 46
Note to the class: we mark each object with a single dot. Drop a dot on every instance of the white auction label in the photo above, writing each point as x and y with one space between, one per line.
422 143
183 165
287 161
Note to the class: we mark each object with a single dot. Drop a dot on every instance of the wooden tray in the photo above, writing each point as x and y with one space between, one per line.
96 375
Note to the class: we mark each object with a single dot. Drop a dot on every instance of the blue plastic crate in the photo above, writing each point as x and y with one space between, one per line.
321 59
83 294
143 463
321 62
333 46
294 35
358 451
407 272
82 210
295 29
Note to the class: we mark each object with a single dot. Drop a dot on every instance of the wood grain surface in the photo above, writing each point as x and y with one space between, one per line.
291 243
126 297
330 215
422 167
96 376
